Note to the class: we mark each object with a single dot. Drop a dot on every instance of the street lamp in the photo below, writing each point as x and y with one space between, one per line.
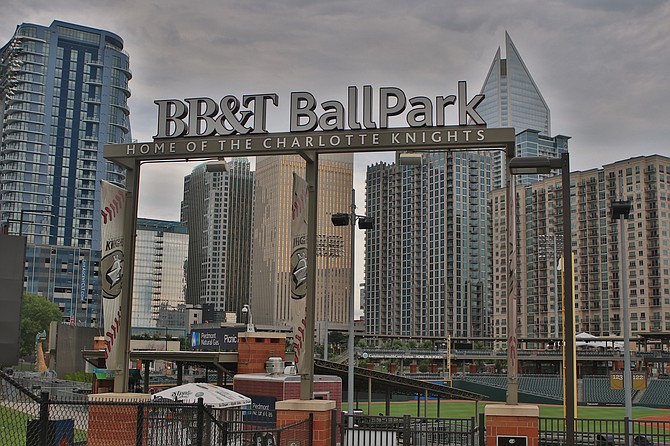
343 219
544 165
620 210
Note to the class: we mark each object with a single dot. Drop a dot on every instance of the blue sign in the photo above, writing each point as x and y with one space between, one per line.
215 339
262 409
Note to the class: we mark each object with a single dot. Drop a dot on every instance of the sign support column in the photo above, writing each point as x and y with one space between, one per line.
129 226
312 179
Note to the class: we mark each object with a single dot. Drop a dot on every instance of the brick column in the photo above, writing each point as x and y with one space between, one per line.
519 420
292 411
254 348
110 425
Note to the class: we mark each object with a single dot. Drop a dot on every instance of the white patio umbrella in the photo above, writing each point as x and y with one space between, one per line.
585 339
212 395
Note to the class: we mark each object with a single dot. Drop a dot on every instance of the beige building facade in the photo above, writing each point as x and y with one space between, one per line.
596 250
271 248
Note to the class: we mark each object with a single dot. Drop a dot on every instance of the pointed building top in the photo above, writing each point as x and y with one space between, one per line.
512 97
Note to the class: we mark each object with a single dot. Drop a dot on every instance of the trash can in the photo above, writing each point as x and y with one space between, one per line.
59 433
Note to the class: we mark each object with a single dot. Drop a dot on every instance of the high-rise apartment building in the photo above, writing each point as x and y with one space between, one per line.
512 99
159 282
271 265
596 247
218 211
429 264
427 267
63 95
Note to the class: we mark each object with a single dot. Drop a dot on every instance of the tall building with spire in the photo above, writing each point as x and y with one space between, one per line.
63 95
513 99
429 261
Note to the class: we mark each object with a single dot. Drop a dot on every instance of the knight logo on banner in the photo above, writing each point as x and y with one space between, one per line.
299 266
112 211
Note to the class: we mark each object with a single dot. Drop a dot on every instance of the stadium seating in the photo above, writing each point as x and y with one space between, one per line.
597 391
657 394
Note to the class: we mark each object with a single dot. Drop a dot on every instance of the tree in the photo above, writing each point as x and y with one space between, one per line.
36 315
337 338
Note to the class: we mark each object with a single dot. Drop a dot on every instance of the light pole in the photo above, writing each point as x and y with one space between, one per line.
620 210
544 165
325 311
343 219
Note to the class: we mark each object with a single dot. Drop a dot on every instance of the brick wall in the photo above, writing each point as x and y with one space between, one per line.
254 349
512 421
279 387
123 428
292 411
260 387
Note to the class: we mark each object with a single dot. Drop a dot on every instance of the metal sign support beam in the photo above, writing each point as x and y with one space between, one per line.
312 179
129 233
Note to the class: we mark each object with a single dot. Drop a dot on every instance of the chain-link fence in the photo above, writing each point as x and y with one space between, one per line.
39 420
59 389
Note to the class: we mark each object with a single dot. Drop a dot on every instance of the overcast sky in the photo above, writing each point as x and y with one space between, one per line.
602 65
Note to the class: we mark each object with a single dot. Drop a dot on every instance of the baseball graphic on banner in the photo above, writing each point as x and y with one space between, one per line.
112 211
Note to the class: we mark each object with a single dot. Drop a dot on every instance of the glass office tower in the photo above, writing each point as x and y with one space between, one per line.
512 99
218 211
429 261
159 284
63 95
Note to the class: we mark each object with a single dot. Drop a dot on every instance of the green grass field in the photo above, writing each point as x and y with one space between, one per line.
466 409
14 425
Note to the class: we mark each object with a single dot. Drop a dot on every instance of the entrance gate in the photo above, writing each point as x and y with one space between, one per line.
309 145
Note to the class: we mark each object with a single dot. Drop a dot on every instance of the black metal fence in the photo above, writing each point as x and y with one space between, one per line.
33 419
38 420
364 430
604 432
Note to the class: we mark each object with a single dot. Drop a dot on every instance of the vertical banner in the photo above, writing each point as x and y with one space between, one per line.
299 267
113 208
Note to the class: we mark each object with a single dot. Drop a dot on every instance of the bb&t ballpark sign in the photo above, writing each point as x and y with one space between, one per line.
204 117
202 127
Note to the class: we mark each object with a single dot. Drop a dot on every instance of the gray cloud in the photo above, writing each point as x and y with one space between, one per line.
601 64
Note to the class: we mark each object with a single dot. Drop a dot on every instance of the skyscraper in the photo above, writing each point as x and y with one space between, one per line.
596 248
427 268
159 284
512 99
218 211
63 95
429 261
271 266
